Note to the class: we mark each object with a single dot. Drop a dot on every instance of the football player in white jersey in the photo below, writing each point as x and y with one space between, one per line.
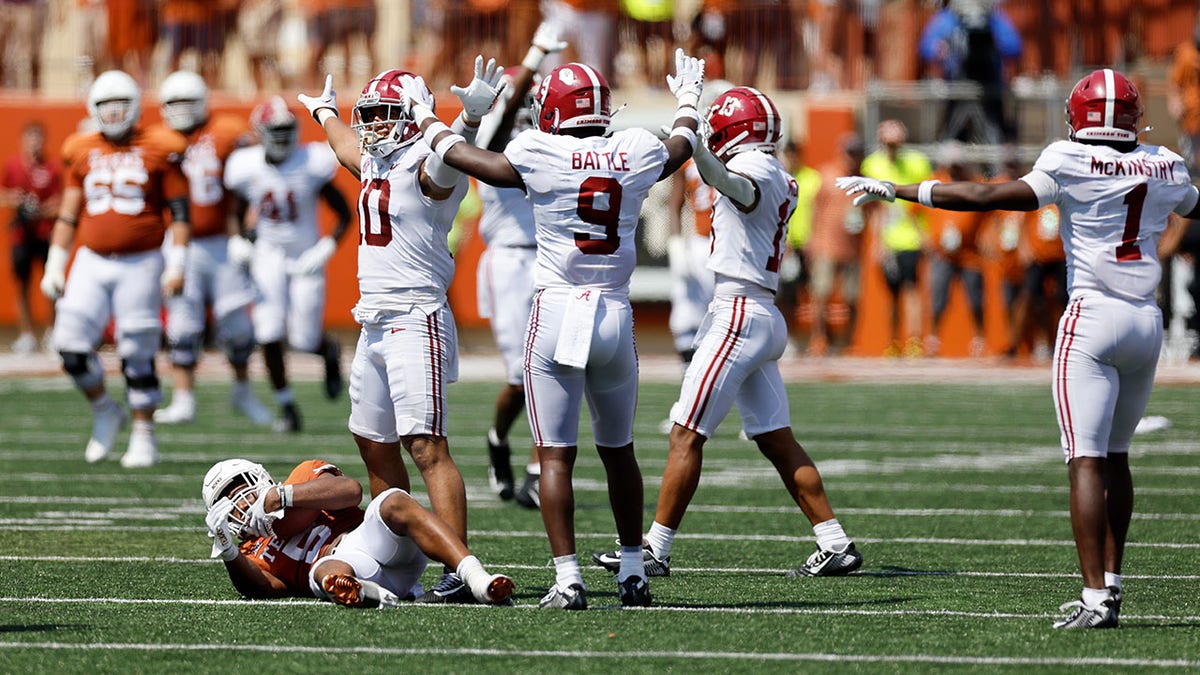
742 337
214 278
505 271
587 188
1114 195
281 181
407 350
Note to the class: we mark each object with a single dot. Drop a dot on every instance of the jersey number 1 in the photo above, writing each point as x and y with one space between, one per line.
1129 250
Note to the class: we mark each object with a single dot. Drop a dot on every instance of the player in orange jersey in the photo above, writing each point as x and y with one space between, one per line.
308 536
218 260
119 180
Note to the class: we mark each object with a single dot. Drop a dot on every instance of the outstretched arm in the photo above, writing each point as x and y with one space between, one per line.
341 137
686 85
1014 195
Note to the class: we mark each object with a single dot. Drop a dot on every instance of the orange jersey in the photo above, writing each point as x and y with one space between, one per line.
954 234
701 197
204 165
125 187
837 224
290 560
1040 233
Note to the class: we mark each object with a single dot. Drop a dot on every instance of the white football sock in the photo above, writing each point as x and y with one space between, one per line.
184 398
660 538
631 563
1094 596
566 569
284 396
1113 580
533 469
471 571
830 536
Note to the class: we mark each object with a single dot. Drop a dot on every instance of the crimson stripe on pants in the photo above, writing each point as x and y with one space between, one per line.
722 356
1064 410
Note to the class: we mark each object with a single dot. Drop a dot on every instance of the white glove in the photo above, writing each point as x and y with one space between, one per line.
480 95
259 521
872 190
414 90
313 260
239 251
54 278
223 546
688 81
326 101
545 41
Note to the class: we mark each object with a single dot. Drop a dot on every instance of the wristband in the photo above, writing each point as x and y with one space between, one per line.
689 98
686 132
286 496
687 112
533 59
422 112
468 122
229 554
925 192
175 258
444 145
329 112
434 129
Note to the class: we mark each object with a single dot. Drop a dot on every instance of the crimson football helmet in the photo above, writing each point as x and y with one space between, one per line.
1104 106
275 125
743 119
381 117
235 480
572 96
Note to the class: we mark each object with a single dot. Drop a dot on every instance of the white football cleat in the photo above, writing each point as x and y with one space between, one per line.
106 424
142 451
246 404
178 412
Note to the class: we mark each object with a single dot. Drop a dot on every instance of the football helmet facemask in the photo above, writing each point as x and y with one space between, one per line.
1104 106
743 119
572 96
184 99
381 117
114 103
275 125
239 481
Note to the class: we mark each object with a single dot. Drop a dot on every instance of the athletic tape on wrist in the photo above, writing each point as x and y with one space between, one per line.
687 112
925 192
328 112
533 59
444 145
686 132
175 258
286 496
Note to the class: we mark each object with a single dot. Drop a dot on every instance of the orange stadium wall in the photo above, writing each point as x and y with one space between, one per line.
825 124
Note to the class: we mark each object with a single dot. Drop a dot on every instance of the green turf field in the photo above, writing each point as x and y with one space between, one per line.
956 495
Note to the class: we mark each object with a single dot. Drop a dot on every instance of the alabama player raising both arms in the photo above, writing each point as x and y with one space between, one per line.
214 277
741 338
505 271
587 189
407 350
307 536
1115 196
119 181
280 181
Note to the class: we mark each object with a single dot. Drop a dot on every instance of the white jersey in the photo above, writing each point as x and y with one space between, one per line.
587 194
748 246
402 232
507 218
283 195
1114 208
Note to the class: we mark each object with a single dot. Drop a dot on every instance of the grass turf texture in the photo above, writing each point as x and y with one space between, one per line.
955 494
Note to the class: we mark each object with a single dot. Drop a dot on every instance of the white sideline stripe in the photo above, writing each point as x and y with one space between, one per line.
690 656
677 569
686 610
183 507
22 525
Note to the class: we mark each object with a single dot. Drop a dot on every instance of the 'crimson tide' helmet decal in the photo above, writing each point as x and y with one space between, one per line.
1104 106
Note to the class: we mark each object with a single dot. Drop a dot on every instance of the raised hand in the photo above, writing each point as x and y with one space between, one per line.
871 190
688 81
480 95
326 101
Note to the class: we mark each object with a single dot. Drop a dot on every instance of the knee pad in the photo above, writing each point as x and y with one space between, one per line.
184 350
141 383
85 369
239 352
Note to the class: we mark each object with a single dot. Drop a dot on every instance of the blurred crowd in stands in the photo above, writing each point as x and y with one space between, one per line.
815 45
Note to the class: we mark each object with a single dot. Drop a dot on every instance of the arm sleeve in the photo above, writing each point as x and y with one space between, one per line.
735 186
1044 186
1189 201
